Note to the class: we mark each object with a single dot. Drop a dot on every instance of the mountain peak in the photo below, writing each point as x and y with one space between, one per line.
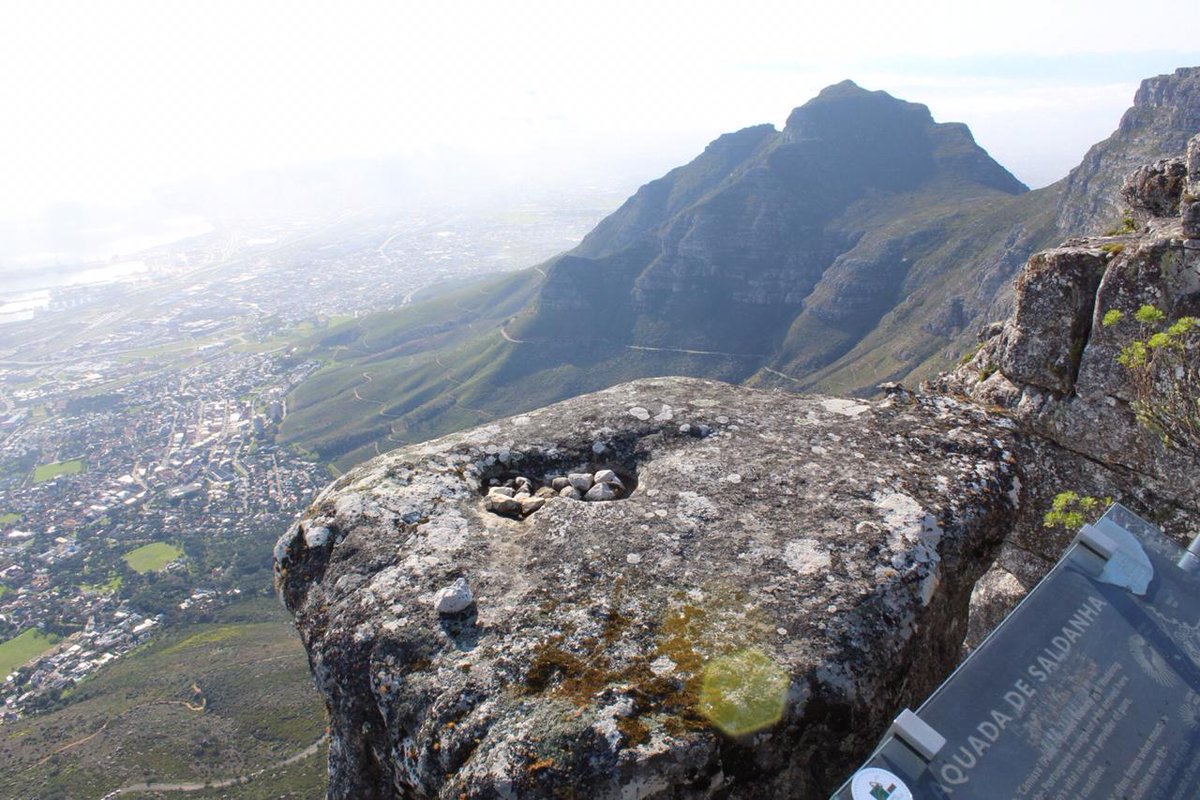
847 105
846 87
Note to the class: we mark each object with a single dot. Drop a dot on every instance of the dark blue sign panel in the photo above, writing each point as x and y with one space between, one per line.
1089 689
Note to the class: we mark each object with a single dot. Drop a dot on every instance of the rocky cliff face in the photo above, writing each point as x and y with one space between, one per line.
1053 367
1165 113
780 576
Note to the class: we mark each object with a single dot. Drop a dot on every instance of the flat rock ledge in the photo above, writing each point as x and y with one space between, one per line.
786 573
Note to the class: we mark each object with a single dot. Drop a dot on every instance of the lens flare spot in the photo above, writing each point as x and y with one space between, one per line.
743 692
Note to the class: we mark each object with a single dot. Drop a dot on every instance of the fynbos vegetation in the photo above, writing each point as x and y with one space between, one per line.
1164 375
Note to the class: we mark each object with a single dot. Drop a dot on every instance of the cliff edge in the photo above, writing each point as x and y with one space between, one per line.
682 588
1054 368
778 577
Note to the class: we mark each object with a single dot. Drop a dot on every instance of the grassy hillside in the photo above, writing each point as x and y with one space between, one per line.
405 376
511 345
201 703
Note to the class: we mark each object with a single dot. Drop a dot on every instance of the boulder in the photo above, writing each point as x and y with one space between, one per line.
1154 190
502 504
705 637
532 504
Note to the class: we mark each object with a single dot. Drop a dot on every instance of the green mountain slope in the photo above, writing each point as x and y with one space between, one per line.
202 703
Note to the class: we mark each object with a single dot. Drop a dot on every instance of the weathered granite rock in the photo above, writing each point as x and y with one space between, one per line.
580 480
1052 316
742 625
1053 367
1190 203
1154 190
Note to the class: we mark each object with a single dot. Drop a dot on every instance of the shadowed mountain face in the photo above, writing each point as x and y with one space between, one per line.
862 243
726 253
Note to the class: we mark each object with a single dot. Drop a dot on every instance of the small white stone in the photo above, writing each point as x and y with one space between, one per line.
507 491
781 631
633 558
601 491
599 447
662 665
639 413
608 476
453 598
317 536
571 493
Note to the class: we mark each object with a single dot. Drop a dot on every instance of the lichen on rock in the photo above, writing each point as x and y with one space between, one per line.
786 575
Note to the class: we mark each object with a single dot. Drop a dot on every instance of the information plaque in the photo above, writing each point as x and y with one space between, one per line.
1089 689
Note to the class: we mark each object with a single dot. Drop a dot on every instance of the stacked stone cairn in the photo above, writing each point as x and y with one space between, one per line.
517 497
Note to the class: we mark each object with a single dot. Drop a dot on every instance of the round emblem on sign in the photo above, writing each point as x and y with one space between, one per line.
873 783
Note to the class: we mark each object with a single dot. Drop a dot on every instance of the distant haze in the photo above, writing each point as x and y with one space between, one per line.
106 101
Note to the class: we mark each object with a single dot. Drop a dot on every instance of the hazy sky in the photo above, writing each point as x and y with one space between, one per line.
105 99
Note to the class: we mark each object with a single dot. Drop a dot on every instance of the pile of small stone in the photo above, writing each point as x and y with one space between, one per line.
518 498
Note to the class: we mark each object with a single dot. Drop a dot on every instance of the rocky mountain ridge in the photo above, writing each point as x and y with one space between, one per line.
862 243
783 575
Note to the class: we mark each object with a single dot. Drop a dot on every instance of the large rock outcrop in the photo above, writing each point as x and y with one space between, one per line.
783 574
1053 367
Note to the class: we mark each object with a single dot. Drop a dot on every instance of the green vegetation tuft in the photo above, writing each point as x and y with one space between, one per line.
1111 317
1128 225
1071 510
152 557
1164 373
1149 315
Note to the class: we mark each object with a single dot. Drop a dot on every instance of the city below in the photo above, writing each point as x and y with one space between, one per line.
140 481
